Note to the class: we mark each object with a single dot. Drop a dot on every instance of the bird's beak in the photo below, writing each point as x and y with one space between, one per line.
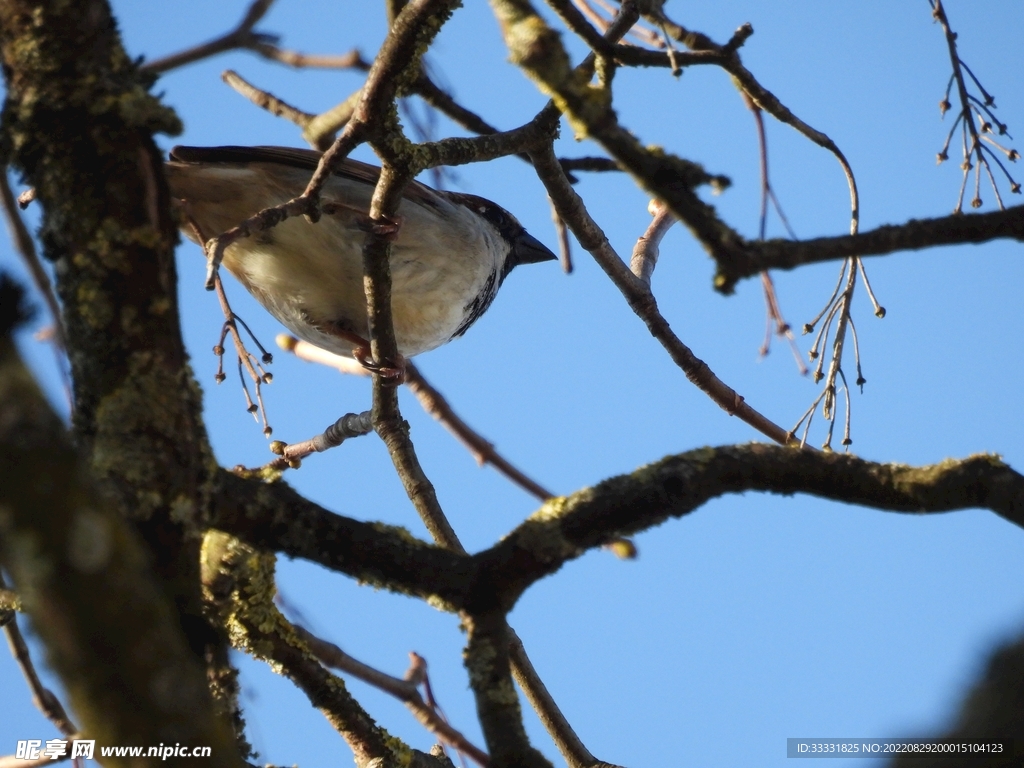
527 249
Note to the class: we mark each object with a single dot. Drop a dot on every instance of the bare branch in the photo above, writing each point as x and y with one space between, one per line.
433 402
44 699
351 60
239 37
968 228
578 23
348 426
641 300
970 106
268 101
243 37
555 723
645 252
562 233
240 583
489 667
677 485
483 451
443 102
246 360
405 691
26 248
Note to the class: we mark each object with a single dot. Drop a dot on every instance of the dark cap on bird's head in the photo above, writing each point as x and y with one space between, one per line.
526 249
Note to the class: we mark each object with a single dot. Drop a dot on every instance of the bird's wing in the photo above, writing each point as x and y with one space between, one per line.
295 157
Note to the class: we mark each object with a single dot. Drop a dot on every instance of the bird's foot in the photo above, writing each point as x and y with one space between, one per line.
386 227
392 372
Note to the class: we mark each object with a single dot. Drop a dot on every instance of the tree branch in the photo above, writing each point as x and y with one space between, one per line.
433 402
275 517
76 102
497 705
563 529
239 582
112 635
405 690
750 258
44 699
640 299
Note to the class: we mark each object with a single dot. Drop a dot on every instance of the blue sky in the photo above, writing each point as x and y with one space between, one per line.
756 618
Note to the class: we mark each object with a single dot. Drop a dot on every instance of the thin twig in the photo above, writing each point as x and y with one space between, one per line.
562 234
42 697
321 131
639 297
645 252
243 37
405 690
348 426
26 248
351 60
483 450
444 103
774 317
433 402
555 723
576 20
773 311
266 100
642 34
969 107
246 360
236 38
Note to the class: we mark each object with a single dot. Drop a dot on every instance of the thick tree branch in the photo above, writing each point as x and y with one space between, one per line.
239 583
275 517
497 705
76 103
112 635
565 528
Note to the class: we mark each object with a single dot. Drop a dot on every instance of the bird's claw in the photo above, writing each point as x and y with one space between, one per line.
392 373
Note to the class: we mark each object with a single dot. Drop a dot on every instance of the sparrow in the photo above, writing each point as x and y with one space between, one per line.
451 252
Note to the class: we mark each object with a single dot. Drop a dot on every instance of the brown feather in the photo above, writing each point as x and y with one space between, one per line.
296 157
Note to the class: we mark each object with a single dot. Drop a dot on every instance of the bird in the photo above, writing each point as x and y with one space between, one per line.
451 252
